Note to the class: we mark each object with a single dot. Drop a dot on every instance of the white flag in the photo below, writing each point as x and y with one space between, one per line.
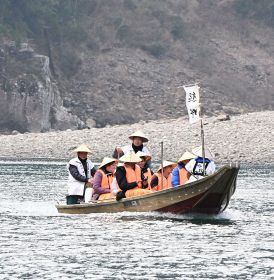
193 103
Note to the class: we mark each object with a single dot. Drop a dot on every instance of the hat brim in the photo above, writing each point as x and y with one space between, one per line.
107 163
170 165
145 140
77 151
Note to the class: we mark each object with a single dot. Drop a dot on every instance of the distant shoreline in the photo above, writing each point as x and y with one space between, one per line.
246 139
97 163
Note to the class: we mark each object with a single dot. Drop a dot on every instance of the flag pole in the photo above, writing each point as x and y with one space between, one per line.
203 144
202 139
195 112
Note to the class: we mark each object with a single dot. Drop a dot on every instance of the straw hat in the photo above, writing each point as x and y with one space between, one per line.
140 134
130 157
186 156
142 154
166 164
82 148
107 160
198 152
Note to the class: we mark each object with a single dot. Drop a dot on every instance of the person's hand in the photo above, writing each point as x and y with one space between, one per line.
91 180
119 150
144 182
88 185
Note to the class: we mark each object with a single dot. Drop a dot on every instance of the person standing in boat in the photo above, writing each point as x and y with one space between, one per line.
138 139
129 177
144 164
157 183
103 179
80 170
179 174
195 166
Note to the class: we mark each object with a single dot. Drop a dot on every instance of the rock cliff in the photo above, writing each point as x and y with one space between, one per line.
30 98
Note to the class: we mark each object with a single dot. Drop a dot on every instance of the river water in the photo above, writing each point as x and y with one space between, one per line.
38 243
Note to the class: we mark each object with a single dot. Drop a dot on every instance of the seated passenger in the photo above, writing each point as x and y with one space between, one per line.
195 166
103 179
145 170
157 183
138 139
129 177
179 174
80 171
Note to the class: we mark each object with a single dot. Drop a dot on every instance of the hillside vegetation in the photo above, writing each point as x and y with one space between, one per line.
121 61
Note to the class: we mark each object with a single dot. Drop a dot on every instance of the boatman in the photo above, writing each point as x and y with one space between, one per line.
138 139
81 171
195 166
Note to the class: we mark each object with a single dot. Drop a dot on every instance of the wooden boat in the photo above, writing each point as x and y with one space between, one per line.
210 195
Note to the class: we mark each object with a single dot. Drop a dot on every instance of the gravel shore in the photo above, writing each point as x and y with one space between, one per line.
246 139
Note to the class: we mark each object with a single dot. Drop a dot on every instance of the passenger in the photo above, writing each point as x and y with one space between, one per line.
103 179
138 139
80 171
195 166
157 183
129 177
114 185
145 170
179 174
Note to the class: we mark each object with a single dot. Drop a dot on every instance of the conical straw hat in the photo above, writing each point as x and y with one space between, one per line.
198 152
142 154
130 157
140 134
82 148
107 160
186 156
167 163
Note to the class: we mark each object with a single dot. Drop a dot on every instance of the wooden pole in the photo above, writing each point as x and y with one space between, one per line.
203 145
162 164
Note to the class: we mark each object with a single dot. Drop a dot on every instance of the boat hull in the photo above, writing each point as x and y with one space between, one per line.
209 195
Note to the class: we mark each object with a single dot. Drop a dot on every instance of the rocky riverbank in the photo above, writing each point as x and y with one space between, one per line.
247 139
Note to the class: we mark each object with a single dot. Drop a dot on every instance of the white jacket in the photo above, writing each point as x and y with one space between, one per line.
128 148
76 187
193 167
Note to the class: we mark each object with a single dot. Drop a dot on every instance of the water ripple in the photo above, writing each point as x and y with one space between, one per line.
38 243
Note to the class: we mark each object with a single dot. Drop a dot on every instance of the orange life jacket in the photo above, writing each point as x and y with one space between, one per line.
133 175
184 175
166 182
106 183
106 180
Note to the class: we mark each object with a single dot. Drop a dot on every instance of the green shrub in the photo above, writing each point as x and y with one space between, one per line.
70 63
243 7
123 32
156 49
257 9
129 4
177 28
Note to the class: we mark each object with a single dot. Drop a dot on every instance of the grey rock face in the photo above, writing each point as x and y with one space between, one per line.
30 100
